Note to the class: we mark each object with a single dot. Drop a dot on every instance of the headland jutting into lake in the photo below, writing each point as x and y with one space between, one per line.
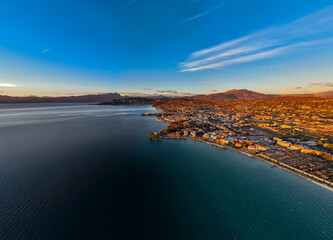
294 137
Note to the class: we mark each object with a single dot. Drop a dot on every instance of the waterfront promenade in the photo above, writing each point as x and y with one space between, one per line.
282 166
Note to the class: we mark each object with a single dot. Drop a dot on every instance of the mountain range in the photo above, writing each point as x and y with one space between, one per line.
233 94
90 98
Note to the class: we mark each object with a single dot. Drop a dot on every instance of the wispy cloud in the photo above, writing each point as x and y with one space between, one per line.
324 84
158 93
44 51
7 85
166 91
311 30
202 14
172 93
134 94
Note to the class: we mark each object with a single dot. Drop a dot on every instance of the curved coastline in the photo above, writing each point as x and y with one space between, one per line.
254 156
248 154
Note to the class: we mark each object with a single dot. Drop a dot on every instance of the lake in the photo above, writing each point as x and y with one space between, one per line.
74 171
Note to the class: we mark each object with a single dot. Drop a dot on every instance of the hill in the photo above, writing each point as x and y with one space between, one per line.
244 94
213 97
326 94
233 94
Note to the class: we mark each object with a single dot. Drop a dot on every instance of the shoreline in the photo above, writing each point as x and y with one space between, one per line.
254 156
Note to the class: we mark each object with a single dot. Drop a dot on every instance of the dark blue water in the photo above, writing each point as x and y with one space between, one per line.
90 172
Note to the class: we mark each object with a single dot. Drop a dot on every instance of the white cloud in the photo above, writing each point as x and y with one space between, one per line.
167 91
249 57
311 30
44 51
323 84
219 47
158 93
7 85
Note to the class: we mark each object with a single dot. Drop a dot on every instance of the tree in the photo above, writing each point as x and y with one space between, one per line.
152 135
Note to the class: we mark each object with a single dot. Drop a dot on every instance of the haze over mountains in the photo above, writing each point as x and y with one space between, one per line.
233 94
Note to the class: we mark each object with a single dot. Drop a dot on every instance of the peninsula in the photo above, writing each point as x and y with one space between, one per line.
294 133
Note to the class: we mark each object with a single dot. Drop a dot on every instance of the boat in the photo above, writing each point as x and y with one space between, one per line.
273 166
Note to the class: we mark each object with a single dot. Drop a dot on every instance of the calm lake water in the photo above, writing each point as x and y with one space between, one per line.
90 172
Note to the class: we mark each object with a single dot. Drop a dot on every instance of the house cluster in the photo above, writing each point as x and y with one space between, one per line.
296 134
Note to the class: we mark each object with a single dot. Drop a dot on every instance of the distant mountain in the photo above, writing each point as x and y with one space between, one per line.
213 97
245 94
326 94
90 98
233 94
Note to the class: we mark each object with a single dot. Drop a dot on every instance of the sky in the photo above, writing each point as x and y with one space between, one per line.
175 47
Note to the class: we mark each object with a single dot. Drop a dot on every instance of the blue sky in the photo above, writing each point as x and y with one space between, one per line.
172 46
